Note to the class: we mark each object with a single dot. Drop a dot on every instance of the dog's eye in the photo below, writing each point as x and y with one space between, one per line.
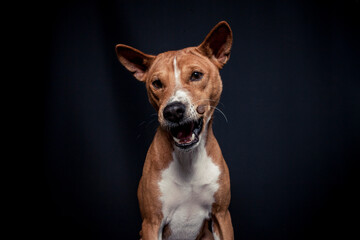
157 84
196 76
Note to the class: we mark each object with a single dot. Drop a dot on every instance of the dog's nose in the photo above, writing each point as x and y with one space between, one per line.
174 112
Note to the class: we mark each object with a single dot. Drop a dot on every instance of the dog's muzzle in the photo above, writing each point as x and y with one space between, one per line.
185 131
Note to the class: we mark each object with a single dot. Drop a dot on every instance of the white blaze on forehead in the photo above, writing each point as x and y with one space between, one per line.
177 74
180 95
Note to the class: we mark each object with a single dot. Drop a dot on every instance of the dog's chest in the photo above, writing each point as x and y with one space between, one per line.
187 190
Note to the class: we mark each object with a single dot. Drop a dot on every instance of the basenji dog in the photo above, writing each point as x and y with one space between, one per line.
184 191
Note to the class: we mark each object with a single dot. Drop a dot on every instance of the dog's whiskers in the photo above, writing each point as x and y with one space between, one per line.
216 108
222 113
208 99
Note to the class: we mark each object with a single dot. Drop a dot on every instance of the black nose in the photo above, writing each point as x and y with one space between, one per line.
174 112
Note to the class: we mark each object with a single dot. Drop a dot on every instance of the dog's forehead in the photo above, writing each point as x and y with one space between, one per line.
163 61
184 57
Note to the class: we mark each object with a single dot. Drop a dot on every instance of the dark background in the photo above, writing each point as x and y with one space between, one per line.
291 96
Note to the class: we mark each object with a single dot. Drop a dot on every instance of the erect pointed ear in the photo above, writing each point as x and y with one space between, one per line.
134 60
217 44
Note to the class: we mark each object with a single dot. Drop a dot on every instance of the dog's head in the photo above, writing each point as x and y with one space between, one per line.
184 86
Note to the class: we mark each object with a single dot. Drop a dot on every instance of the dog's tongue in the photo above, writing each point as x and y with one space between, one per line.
185 133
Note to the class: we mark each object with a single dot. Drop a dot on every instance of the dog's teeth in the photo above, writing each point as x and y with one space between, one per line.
176 140
179 142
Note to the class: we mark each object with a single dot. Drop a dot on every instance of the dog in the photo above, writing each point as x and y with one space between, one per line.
184 191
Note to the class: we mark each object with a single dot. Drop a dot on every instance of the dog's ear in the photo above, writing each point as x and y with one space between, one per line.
217 44
134 60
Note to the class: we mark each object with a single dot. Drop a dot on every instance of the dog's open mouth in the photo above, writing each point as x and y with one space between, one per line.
187 134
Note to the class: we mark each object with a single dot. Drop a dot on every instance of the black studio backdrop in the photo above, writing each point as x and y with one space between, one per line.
291 101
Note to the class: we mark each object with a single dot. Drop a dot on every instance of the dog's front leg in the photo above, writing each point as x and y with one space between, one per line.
222 226
150 230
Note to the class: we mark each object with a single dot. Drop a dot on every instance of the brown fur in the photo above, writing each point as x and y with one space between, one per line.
208 57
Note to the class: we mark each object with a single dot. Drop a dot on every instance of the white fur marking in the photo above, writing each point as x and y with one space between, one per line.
216 237
177 74
187 190
181 96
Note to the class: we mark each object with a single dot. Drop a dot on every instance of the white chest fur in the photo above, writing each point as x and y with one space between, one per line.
187 192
